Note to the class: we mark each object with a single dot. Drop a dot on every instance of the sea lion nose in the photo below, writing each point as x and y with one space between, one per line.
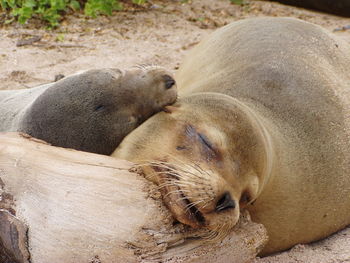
169 81
225 202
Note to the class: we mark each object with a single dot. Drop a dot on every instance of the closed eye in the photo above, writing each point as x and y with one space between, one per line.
204 140
192 133
99 107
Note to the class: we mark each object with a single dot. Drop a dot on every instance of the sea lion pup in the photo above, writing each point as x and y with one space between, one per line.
90 111
263 124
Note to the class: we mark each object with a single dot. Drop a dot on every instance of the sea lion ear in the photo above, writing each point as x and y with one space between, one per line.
251 189
171 108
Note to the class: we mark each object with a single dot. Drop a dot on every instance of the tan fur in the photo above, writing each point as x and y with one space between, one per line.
278 115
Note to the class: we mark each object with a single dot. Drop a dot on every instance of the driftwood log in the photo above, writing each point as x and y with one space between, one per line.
61 205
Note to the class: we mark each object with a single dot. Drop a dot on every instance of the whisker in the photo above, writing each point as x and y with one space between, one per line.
206 203
189 206
172 192
186 183
178 171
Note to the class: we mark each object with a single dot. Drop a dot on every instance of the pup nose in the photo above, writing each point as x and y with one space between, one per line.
169 81
225 202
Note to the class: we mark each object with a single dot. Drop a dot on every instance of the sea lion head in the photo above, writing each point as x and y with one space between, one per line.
208 155
153 85
94 110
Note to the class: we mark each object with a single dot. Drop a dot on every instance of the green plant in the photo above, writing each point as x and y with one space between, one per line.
139 2
237 2
51 11
97 7
48 10
60 37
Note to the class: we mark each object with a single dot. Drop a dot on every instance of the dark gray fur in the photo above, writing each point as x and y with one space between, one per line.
92 111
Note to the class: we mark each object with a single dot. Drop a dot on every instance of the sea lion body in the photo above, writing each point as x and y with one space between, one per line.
90 111
296 76
284 137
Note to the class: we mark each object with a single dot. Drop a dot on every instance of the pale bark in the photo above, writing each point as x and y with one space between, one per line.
61 205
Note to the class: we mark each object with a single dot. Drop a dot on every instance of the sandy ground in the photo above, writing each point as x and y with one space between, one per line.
160 34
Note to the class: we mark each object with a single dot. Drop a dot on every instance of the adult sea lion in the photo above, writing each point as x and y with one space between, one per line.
90 111
263 124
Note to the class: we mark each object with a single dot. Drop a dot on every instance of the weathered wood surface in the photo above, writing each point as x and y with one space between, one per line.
61 205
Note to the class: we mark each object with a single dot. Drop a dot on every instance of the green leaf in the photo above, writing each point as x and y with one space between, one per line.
9 21
117 6
139 2
29 3
11 3
74 5
58 4
24 14
90 9
3 4
60 37
51 10
237 2
40 10
52 17
95 7
15 11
